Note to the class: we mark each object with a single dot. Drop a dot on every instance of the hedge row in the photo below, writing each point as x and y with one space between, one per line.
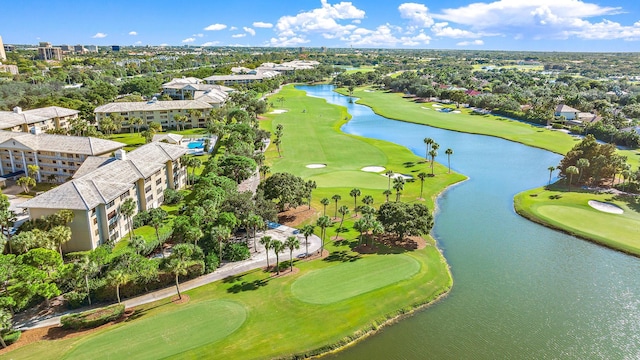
92 318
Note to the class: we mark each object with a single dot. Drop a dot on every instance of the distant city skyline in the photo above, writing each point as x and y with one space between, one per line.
536 25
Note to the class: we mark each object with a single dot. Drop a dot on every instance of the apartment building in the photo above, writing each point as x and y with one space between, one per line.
162 112
100 187
48 52
48 118
236 79
57 156
195 89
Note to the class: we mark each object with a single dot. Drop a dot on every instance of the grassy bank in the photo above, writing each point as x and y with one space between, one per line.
571 213
329 302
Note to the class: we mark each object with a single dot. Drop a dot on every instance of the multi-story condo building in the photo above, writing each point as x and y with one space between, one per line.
195 89
48 52
235 79
57 156
3 55
48 118
102 185
162 112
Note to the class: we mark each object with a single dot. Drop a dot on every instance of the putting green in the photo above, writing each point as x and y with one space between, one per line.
350 279
165 334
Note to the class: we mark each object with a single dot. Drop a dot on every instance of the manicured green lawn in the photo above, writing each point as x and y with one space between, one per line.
363 69
169 333
572 213
331 285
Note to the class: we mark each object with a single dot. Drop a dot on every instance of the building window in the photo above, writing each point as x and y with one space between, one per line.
158 181
111 204
147 189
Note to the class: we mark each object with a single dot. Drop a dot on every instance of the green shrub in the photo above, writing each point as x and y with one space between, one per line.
11 337
76 299
141 219
92 318
211 262
236 252
557 126
172 197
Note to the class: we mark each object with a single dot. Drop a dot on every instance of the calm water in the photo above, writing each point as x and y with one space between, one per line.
521 291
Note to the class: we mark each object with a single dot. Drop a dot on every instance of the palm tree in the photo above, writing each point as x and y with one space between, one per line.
27 183
324 203
266 241
264 170
254 222
127 209
118 277
387 193
433 153
582 164
367 200
307 231
336 198
179 119
278 247
179 266
323 222
136 121
422 176
428 142
157 216
551 169
398 186
355 192
88 268
277 142
376 229
389 175
361 226
292 243
449 152
344 210
59 235
221 234
309 187
138 244
571 170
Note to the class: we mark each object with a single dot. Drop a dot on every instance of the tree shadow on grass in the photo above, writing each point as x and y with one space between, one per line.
342 256
248 286
633 202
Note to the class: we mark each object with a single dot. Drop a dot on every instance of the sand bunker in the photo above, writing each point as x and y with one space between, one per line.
278 111
456 111
369 91
605 207
316 166
397 175
375 169
422 107
436 105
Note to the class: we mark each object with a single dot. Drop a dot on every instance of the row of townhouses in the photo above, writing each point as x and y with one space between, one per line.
48 118
102 184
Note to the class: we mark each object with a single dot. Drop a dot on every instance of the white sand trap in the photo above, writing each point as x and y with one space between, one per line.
605 207
397 175
422 107
456 111
316 166
278 111
436 105
375 169
369 91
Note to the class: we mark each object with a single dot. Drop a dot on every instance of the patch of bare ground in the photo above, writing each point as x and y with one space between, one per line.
177 300
284 272
296 216
58 333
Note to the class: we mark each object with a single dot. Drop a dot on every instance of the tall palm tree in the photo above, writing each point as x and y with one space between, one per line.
221 234
136 121
324 203
127 209
367 200
571 170
277 142
278 247
118 277
292 243
254 222
156 220
310 185
398 186
307 231
428 142
179 266
88 268
433 153
582 164
336 198
422 176
449 152
551 170
354 193
323 222
59 235
389 175
376 229
264 170
361 226
266 241
179 119
344 210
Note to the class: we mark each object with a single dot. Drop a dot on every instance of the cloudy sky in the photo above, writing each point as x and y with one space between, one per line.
555 25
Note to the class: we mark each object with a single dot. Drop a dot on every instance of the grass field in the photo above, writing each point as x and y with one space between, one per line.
271 317
570 212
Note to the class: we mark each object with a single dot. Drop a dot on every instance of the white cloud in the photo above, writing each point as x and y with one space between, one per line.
197 35
215 27
163 44
260 24
211 43
467 43
189 40
233 28
99 35
284 41
441 29
238 35
323 20
384 36
249 30
133 33
417 14
138 42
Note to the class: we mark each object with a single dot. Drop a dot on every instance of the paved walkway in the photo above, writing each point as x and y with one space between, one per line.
257 260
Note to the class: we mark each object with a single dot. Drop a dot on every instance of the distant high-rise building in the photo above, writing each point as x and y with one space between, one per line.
66 47
92 48
48 52
79 49
115 47
3 56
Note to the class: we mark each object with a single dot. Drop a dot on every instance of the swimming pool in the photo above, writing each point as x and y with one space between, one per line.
196 145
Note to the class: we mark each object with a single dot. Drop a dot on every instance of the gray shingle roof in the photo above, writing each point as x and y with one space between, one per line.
60 143
9 119
152 106
108 179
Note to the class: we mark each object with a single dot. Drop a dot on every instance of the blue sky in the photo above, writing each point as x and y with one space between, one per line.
539 25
